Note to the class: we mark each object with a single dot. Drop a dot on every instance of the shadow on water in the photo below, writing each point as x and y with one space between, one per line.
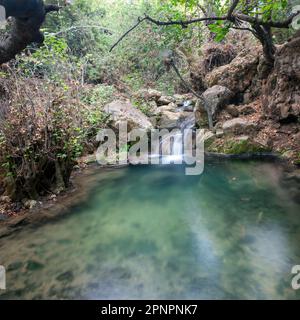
152 232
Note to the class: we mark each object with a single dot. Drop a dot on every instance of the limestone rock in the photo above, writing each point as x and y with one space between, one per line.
149 94
239 126
281 94
216 97
170 107
239 74
165 100
169 120
233 110
121 111
5 199
247 110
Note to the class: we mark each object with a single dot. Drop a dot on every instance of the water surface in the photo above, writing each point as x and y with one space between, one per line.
150 232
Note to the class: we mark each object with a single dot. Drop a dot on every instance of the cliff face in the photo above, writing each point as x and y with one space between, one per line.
281 92
268 102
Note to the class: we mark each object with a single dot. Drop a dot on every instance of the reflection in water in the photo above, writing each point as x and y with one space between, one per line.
151 232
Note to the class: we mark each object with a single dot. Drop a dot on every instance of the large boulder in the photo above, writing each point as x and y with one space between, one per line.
168 120
239 74
281 94
124 111
216 97
172 120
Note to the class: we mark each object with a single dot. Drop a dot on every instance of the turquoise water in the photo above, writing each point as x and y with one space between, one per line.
153 233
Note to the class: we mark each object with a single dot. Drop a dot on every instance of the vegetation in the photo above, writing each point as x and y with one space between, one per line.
59 72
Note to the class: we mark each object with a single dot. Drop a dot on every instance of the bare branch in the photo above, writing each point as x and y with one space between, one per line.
140 20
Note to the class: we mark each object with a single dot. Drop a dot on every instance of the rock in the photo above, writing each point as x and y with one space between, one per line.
30 204
169 120
237 146
216 97
204 135
5 199
15 266
233 110
219 133
170 107
67 276
32 265
238 75
149 94
180 98
239 126
294 175
121 111
281 93
188 106
165 100
247 110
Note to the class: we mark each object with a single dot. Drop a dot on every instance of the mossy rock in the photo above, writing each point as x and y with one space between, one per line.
237 146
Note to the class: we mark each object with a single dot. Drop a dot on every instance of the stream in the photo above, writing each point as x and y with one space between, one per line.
151 232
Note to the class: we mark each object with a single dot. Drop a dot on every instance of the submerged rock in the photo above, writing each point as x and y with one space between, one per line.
33 265
66 276
15 266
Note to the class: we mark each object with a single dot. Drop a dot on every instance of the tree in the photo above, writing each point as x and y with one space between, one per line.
27 17
258 17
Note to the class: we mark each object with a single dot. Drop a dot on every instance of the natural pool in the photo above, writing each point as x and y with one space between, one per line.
150 232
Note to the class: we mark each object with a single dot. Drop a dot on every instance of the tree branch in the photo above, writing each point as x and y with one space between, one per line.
232 8
140 20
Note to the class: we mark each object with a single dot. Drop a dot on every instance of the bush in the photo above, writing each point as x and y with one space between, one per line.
44 130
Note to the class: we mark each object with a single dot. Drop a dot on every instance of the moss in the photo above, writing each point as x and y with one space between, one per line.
209 142
234 146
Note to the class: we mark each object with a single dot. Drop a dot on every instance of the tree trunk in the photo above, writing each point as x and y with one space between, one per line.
27 16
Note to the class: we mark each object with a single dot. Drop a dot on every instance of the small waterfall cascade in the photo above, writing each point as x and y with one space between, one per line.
171 147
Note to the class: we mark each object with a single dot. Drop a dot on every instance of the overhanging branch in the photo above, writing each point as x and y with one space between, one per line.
236 18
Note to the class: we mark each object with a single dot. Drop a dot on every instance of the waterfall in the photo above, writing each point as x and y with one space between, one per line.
171 147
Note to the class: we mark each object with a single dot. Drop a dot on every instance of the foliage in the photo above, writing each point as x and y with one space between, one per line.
46 129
